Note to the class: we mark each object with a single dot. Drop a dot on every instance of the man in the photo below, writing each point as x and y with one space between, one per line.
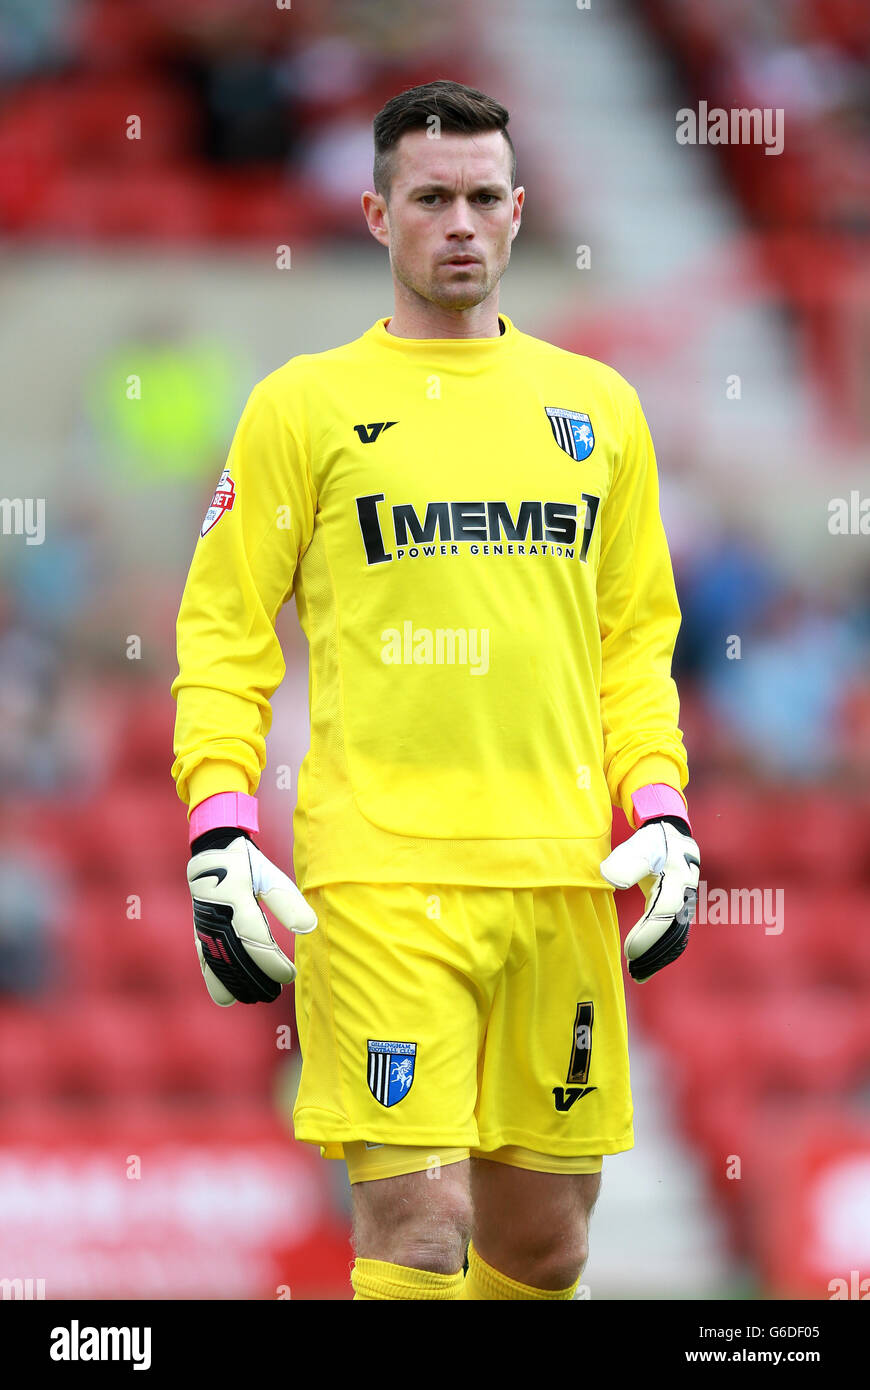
468 518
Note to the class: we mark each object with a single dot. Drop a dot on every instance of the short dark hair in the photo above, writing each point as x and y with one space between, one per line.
462 110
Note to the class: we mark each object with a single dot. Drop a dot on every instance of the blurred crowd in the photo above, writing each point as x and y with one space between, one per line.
773 677
244 107
810 205
256 124
810 60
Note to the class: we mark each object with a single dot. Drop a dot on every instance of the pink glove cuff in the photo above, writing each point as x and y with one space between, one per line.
225 808
658 800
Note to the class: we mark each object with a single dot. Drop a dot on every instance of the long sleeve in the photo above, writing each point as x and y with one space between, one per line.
639 618
242 573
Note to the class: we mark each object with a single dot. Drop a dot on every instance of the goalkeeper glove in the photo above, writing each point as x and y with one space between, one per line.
240 959
664 859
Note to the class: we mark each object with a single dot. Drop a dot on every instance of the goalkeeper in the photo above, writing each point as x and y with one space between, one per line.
468 518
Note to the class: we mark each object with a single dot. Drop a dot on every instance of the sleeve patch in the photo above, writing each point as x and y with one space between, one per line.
224 497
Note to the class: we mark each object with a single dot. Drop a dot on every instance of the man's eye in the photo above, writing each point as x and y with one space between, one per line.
431 198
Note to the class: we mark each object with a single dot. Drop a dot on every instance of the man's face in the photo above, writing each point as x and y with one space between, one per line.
451 215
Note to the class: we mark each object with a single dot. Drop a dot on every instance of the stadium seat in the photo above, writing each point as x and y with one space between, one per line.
28 1042
111 953
803 1193
217 1051
108 1046
808 1038
731 828
142 832
820 838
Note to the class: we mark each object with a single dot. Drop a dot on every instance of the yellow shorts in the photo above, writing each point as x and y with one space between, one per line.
368 1162
453 1017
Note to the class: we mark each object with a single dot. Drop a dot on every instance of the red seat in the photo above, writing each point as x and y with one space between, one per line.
28 1040
829 930
161 943
212 1050
730 825
139 835
820 838
93 203
93 918
804 1192
808 1038
702 1038
109 1046
110 953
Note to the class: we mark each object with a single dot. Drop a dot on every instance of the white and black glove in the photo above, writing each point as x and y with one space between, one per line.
229 877
664 859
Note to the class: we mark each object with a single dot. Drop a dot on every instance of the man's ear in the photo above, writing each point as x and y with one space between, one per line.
519 197
374 207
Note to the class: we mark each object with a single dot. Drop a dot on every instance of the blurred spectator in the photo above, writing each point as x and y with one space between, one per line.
29 903
164 402
53 582
723 590
30 757
247 113
783 695
36 36
338 159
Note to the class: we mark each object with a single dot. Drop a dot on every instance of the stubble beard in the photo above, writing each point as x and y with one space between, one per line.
457 294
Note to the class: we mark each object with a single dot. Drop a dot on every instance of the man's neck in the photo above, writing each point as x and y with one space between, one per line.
420 319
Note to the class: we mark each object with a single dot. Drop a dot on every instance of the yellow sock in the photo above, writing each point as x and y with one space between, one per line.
484 1282
375 1280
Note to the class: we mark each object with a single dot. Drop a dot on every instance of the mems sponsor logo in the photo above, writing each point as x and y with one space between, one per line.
486 528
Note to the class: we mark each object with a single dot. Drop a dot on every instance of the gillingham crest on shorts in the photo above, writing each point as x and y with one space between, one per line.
224 497
572 431
391 1070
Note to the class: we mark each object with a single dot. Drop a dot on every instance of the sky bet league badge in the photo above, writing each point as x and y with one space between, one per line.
224 497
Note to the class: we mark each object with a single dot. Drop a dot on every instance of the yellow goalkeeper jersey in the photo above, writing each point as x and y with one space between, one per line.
471 529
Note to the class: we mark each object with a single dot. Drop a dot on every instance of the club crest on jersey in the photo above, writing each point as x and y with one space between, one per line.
391 1070
224 497
572 431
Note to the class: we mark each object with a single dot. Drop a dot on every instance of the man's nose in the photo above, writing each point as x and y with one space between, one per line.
461 223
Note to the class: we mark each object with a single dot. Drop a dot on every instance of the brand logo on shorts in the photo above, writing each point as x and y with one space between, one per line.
391 1070
581 1056
564 1097
581 1044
